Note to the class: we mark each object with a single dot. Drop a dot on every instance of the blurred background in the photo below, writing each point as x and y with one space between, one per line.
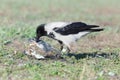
20 18
18 22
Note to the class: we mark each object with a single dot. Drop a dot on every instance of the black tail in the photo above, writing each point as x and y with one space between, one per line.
96 30
93 26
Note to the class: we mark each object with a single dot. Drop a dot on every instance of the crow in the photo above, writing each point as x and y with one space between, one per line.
66 33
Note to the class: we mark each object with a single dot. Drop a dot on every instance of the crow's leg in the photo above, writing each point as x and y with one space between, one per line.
61 45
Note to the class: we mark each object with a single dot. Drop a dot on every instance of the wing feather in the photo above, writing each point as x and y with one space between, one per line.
74 28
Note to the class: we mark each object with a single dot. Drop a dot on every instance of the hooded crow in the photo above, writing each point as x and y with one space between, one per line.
66 33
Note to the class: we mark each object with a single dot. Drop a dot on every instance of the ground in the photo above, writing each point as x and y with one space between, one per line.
98 56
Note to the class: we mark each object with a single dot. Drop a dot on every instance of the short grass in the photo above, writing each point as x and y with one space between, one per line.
98 56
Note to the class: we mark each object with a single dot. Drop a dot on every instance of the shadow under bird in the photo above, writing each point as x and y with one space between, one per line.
66 33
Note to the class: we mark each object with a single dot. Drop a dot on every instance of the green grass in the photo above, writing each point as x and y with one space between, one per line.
98 53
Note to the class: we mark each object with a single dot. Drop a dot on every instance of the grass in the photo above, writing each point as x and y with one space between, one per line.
98 53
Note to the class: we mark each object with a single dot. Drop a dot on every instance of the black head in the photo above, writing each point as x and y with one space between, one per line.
40 31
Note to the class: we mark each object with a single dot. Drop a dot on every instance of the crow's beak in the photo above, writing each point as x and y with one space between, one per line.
37 38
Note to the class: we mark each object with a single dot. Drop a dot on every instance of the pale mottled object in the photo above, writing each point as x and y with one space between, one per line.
40 49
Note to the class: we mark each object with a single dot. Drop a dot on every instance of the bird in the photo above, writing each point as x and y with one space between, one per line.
66 33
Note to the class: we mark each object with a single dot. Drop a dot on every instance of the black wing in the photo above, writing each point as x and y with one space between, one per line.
74 28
